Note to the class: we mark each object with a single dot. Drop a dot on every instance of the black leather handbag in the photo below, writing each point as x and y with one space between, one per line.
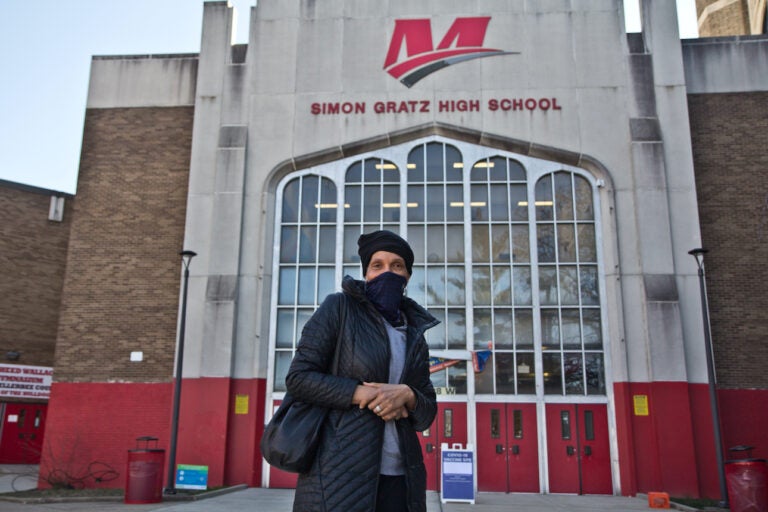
291 437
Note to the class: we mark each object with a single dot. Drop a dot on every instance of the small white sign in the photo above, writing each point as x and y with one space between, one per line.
137 357
13 418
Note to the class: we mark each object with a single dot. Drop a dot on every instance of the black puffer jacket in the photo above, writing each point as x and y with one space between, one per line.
345 473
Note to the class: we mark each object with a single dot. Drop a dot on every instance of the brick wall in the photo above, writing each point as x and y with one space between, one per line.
123 273
729 138
729 19
33 253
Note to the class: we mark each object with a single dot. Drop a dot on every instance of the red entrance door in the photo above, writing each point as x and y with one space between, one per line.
507 448
578 449
21 435
450 426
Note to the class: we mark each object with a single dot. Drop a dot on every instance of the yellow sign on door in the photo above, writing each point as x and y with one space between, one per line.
641 405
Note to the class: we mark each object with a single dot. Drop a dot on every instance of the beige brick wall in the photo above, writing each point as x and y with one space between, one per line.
33 252
122 281
722 18
730 137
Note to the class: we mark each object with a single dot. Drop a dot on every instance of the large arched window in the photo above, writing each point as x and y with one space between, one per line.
507 258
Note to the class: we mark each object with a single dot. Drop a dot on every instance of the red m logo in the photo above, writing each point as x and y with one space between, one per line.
423 58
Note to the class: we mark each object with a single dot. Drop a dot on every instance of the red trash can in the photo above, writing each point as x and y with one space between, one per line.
144 477
747 481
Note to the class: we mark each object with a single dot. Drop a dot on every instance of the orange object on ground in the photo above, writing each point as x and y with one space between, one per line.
658 500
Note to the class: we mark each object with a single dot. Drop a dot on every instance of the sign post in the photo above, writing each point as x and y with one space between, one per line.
458 473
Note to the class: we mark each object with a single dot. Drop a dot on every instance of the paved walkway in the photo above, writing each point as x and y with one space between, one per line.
280 500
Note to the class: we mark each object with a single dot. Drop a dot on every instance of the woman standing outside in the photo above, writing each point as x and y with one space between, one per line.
369 458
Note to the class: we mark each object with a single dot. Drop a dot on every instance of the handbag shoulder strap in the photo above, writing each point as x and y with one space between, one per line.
340 334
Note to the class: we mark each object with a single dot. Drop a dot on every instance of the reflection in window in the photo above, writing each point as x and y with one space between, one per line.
495 424
565 425
517 419
457 378
501 275
448 423
435 220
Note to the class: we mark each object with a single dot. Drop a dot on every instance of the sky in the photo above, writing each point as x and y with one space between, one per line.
45 54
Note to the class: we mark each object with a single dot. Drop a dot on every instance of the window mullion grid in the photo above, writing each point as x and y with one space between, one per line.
489 228
577 261
444 221
536 308
513 314
319 196
402 173
297 260
469 260
338 265
380 176
557 278
363 195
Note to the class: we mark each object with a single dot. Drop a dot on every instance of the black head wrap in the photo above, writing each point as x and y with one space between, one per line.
384 240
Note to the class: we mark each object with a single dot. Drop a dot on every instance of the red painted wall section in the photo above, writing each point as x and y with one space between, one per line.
91 427
203 418
624 429
246 424
661 445
673 448
701 415
744 414
674 424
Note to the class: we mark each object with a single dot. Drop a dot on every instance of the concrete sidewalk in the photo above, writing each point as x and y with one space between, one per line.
258 499
280 500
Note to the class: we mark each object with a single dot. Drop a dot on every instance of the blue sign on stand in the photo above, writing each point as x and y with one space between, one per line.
191 477
458 473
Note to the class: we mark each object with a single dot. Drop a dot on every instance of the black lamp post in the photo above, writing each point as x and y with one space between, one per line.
186 257
699 255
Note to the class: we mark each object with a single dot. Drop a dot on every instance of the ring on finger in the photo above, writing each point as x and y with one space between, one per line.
377 408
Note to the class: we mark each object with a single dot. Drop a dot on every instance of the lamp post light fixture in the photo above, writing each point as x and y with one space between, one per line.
711 379
186 257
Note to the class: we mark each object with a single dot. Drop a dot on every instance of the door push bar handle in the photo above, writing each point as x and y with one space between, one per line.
499 448
515 449
430 447
570 450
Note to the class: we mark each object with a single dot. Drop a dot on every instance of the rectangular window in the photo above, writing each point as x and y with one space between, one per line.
495 424
589 425
517 418
565 424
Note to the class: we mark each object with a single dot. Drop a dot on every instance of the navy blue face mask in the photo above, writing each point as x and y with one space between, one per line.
386 293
